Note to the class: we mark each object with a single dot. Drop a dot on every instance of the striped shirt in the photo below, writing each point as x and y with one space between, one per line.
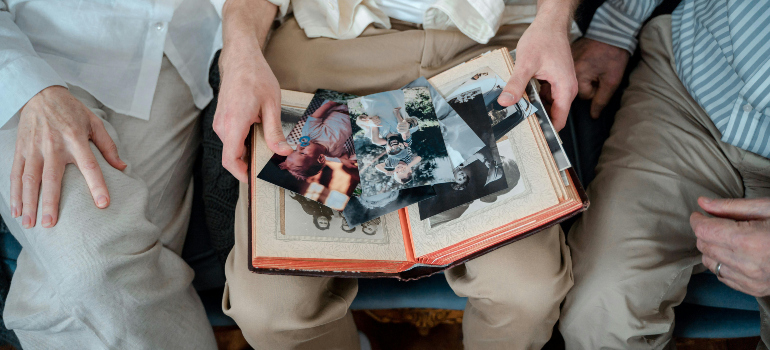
404 155
722 54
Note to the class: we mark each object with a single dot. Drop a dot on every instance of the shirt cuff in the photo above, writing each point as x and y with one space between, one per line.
614 27
25 77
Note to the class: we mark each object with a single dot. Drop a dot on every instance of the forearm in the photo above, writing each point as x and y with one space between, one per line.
556 13
245 26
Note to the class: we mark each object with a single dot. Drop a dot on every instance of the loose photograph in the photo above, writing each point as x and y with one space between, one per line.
515 186
309 220
480 175
323 165
504 119
398 141
460 140
362 209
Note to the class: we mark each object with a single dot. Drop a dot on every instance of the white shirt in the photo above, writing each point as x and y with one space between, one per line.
112 49
346 19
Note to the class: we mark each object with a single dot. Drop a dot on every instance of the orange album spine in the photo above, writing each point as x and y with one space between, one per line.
406 230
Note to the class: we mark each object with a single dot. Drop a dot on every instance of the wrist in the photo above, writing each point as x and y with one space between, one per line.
555 15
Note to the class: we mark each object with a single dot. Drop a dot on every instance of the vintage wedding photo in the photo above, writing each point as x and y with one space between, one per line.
323 165
398 141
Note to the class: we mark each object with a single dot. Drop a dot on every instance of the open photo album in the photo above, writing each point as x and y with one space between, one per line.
410 182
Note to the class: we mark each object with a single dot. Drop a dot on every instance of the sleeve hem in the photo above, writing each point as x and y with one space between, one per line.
25 77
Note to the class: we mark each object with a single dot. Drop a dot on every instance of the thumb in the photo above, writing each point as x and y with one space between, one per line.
271 124
514 89
737 208
105 144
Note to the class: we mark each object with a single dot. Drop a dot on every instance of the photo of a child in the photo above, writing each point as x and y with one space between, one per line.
323 165
398 141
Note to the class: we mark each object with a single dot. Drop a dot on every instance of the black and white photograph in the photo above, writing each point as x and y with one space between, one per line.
398 141
323 165
460 140
480 175
322 222
362 209
515 186
504 119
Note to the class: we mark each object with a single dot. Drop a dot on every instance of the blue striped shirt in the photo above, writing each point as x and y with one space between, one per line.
722 55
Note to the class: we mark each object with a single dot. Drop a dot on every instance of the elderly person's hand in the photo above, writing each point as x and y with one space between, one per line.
738 238
543 52
249 91
599 68
55 129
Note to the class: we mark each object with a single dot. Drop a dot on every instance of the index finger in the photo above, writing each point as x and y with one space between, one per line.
89 167
718 231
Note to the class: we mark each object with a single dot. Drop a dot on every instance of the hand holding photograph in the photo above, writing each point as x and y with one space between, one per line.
398 141
504 119
322 166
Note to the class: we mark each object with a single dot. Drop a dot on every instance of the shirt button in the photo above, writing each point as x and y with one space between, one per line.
747 108
159 26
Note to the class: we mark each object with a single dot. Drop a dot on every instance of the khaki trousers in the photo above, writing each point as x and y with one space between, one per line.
634 250
514 292
112 278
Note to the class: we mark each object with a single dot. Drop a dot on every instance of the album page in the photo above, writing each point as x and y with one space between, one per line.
287 225
530 190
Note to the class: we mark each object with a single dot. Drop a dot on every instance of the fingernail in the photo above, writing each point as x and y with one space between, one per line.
14 211
47 220
101 201
706 200
284 146
26 221
505 99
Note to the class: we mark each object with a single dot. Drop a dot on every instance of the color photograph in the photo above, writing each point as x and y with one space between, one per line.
322 166
398 141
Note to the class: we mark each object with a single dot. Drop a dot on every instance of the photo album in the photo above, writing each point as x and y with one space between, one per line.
409 182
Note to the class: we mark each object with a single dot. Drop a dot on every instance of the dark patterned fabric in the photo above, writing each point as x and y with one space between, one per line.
220 188
7 337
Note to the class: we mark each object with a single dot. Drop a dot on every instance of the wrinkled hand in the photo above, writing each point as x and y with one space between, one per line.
599 68
54 130
543 52
739 238
249 94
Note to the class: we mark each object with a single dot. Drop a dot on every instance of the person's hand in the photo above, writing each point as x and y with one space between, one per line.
249 92
54 130
402 127
739 238
599 68
543 52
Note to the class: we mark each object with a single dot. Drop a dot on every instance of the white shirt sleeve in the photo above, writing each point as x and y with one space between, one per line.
283 7
22 72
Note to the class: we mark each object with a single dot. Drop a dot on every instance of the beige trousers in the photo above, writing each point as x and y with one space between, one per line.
514 292
634 250
112 278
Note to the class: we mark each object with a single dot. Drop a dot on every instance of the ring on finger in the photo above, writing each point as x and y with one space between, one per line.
717 270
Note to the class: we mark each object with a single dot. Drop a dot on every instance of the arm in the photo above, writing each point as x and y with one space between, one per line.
249 92
415 160
54 129
543 52
738 237
381 167
602 55
376 139
322 112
